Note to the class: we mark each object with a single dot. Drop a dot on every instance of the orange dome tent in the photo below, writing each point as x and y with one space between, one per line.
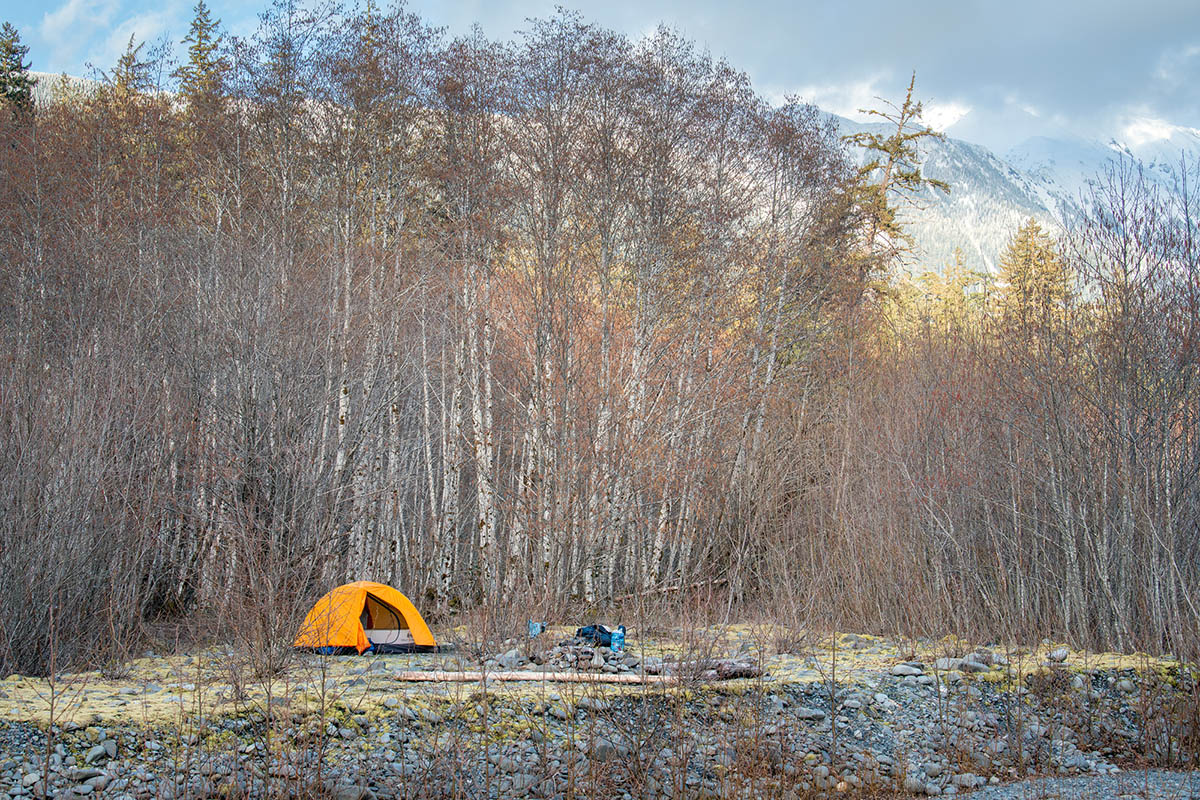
364 615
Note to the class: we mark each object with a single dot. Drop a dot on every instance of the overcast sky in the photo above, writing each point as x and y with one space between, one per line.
991 72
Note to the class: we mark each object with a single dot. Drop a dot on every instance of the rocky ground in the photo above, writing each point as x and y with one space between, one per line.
855 715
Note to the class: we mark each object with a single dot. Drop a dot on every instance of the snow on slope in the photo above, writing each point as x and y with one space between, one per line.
1046 179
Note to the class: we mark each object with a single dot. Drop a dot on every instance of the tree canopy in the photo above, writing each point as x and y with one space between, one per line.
16 84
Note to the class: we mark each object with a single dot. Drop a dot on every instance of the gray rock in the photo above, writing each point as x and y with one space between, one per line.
904 670
604 749
810 714
351 793
83 788
81 775
1059 654
94 754
512 659
593 704
522 782
653 665
1078 762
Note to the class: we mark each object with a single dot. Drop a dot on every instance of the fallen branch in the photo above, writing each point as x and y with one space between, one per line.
549 677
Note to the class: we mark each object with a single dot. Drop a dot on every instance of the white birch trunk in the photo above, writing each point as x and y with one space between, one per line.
482 441
452 434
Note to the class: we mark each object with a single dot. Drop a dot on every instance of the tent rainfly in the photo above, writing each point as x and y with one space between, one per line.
363 616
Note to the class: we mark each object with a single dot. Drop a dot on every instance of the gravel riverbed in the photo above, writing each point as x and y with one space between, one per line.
891 724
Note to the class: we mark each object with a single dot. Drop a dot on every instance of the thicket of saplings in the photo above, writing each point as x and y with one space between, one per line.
548 323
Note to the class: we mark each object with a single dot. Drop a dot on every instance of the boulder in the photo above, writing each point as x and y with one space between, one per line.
511 659
905 670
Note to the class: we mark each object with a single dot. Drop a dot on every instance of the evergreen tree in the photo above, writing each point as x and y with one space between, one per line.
131 75
16 86
202 78
1036 281
892 173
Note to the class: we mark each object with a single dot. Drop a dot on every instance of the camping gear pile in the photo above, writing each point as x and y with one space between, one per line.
602 637
367 617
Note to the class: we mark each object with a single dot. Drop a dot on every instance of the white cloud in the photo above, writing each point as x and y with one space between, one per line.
941 116
98 31
1175 64
1015 101
67 29
847 99
1141 131
142 27
844 99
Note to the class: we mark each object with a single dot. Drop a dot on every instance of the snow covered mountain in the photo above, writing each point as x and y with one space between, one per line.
1047 179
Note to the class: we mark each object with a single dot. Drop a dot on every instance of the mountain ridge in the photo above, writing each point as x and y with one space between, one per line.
1043 178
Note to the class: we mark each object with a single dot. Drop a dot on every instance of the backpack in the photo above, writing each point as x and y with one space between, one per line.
598 634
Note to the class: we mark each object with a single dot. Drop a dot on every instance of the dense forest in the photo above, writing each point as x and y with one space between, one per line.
558 322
